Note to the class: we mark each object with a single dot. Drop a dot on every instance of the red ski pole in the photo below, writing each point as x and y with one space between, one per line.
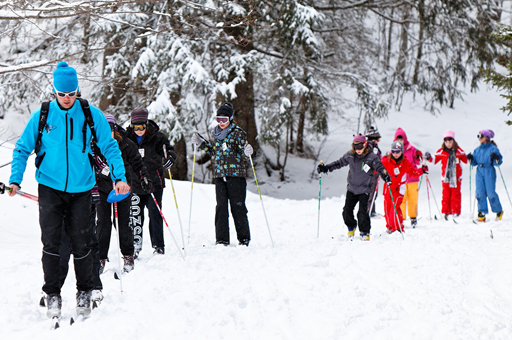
3 188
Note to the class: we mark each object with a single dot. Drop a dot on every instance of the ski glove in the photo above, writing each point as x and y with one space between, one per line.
425 169
428 156
322 168
495 157
95 195
169 162
386 178
196 139
146 184
469 156
248 150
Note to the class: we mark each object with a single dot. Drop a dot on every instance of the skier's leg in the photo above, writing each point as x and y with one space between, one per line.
348 210
221 212
237 191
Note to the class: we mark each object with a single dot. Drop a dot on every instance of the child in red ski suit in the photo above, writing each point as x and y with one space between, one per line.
414 156
450 155
398 168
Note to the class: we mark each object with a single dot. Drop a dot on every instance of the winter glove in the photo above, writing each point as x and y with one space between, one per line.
428 156
386 178
469 156
419 154
169 161
95 195
146 184
248 150
425 169
495 157
322 168
196 139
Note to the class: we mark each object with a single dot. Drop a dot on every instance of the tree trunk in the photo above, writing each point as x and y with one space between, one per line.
300 127
404 39
390 36
421 9
180 168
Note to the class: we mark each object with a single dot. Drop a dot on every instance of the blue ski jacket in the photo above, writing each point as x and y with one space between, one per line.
62 163
486 176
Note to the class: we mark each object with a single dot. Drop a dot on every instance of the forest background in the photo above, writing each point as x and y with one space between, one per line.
286 66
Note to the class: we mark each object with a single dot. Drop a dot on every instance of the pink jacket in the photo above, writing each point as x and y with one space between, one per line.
413 155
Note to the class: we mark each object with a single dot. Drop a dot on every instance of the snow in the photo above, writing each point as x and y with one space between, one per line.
442 281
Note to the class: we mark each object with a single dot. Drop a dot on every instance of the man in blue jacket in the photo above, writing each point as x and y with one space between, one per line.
65 175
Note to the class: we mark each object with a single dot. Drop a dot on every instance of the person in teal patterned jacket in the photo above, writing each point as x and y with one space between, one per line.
230 153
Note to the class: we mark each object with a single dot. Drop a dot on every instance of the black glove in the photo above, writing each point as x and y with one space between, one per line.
322 168
386 178
146 184
428 156
469 156
95 195
495 157
425 169
169 162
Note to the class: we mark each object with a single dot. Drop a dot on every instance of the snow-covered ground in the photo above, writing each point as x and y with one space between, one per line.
442 281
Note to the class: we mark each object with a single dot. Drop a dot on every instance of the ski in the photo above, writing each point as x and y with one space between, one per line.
55 322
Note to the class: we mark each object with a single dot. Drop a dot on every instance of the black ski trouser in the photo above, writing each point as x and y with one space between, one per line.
104 226
156 223
70 213
234 190
65 254
363 218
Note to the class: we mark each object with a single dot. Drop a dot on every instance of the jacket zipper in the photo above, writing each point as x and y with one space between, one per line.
67 154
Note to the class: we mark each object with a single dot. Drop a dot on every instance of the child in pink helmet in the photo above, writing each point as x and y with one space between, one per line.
450 155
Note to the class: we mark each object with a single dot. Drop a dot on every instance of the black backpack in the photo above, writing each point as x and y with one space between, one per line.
88 121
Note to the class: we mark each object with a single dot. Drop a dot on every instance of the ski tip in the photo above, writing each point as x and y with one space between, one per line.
42 302
94 305
71 321
116 276
56 321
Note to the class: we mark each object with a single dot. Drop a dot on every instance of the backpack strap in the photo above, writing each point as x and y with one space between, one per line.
43 116
88 121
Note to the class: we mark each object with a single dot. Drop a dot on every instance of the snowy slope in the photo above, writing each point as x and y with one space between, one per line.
444 281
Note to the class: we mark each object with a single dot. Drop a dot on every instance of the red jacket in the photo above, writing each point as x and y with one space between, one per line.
399 172
442 156
410 153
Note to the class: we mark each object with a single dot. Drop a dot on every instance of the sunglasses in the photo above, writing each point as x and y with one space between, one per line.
481 136
222 119
447 139
139 127
396 151
358 146
64 94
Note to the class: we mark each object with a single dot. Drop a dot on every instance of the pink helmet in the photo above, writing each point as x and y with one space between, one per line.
449 134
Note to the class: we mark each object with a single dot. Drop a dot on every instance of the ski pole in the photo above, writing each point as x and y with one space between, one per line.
396 212
261 199
374 195
504 183
434 197
429 209
191 192
116 227
319 198
175 201
3 188
167 225
470 211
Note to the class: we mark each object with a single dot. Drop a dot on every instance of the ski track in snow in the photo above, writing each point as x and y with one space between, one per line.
443 281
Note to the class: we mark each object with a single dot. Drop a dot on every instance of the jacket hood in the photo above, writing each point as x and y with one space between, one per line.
401 132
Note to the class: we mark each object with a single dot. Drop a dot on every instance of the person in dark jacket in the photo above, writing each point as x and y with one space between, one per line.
362 165
373 137
151 143
136 172
230 153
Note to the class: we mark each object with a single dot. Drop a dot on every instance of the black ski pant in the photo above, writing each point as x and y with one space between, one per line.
65 254
156 223
70 213
104 227
234 190
363 218
373 194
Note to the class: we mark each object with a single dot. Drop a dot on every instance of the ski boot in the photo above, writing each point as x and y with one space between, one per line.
128 263
365 237
499 216
244 242
159 251
96 298
414 222
54 303
351 233
481 217
83 303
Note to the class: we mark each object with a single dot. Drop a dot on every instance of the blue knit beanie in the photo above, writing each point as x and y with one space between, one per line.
64 78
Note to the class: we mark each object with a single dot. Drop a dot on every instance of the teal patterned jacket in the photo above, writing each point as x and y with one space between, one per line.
229 159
